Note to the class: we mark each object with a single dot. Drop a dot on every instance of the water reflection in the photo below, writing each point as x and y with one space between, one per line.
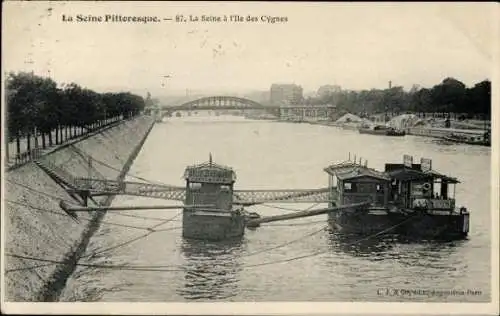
211 269
359 245
409 251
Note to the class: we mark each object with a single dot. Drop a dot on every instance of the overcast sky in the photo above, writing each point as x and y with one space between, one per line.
357 46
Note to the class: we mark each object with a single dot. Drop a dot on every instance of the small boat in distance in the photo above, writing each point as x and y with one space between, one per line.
381 130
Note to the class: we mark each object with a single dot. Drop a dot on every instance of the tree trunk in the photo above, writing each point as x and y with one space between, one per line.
57 135
28 143
18 143
35 134
7 139
50 137
43 140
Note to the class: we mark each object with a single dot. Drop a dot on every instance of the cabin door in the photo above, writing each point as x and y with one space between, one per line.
225 197
405 193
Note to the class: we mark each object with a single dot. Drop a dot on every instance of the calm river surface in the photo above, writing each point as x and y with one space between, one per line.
270 155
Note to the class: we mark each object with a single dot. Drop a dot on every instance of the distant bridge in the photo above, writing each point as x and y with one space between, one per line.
218 103
215 103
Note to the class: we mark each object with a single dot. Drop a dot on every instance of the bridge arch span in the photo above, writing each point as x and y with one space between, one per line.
217 103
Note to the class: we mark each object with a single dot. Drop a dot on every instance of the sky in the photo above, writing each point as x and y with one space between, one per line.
354 45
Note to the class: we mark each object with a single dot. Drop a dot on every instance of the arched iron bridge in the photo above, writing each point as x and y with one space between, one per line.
235 103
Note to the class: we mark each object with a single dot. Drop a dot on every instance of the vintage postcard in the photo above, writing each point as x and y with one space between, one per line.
250 158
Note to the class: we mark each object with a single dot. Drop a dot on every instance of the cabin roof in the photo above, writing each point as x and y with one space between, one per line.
362 172
407 174
444 177
209 172
350 170
209 166
340 167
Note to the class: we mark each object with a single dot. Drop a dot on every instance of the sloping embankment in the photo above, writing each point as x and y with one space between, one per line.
36 227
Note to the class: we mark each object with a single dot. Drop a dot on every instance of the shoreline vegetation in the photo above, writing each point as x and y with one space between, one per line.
450 97
40 111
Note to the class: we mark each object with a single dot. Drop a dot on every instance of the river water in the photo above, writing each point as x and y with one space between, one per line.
297 260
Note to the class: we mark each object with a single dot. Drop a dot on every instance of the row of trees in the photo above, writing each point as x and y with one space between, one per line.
37 106
450 96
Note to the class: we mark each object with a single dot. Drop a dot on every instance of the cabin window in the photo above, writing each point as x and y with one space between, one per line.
365 187
195 186
348 186
380 188
225 188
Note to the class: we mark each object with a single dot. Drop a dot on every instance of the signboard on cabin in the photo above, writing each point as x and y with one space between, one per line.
425 164
417 189
443 204
408 161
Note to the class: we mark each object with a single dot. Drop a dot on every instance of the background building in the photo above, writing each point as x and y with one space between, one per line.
328 90
286 94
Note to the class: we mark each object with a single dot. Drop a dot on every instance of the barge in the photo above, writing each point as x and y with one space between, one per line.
482 140
407 199
211 184
381 130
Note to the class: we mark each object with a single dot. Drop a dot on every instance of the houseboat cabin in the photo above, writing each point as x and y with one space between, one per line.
411 199
351 183
417 186
212 185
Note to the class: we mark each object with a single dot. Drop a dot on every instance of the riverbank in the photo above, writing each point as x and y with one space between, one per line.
435 132
38 230
440 132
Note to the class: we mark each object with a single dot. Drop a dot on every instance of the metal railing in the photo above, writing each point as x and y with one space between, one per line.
26 156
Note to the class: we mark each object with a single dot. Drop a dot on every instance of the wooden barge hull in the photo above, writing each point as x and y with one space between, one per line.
382 132
467 142
212 226
414 225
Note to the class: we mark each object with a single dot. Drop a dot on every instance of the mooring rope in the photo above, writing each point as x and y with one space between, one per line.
161 268
141 217
55 197
41 209
89 265
286 243
290 209
135 268
325 251
292 224
149 229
